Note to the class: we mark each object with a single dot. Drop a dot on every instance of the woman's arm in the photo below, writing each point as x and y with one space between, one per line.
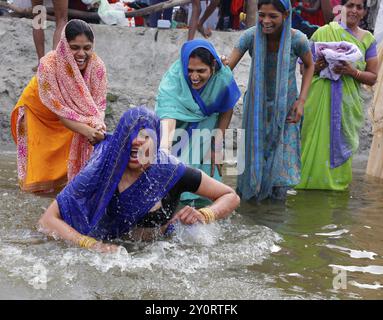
93 135
217 145
308 72
234 58
53 225
168 127
224 198
368 77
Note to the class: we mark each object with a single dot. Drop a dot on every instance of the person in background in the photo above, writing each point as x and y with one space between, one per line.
333 110
197 94
196 23
61 15
272 106
60 114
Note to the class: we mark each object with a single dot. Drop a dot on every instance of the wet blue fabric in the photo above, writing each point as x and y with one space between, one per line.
84 201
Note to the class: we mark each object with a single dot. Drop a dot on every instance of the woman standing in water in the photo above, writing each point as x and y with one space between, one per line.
131 187
60 114
272 106
333 110
197 93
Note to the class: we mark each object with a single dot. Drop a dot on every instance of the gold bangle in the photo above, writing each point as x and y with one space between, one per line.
86 242
208 214
358 72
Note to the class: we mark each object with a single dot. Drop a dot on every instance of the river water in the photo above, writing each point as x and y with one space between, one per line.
317 245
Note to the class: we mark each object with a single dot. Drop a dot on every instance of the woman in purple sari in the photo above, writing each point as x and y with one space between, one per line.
130 187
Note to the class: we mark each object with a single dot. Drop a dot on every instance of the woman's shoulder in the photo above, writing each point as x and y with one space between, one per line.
367 37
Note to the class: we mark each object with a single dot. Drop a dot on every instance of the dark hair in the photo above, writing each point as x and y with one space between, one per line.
205 56
276 3
364 3
77 27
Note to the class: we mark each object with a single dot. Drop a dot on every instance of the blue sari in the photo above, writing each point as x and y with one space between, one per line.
84 202
271 154
196 109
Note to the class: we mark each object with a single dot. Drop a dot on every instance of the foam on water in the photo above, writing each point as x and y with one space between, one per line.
358 254
368 269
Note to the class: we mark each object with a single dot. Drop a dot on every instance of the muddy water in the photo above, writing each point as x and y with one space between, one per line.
267 251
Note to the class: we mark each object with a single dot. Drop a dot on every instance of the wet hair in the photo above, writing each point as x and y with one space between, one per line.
276 3
78 27
205 56
364 3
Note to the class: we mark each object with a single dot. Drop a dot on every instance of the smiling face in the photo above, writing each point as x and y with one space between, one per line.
142 151
82 49
355 11
271 19
199 72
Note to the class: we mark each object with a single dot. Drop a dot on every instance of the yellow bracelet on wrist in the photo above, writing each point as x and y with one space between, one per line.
86 242
208 214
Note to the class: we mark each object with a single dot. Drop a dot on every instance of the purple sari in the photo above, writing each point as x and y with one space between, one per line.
84 202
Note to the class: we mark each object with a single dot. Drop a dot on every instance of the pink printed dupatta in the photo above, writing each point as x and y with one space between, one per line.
74 96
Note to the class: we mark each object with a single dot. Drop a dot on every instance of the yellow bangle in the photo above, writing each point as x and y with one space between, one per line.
86 242
358 72
208 214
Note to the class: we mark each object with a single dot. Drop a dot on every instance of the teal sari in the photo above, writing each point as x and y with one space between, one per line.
196 109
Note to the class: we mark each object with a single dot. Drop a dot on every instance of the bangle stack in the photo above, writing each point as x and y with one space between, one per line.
86 242
358 72
208 214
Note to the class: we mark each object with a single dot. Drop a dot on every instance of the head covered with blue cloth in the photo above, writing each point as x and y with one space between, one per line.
84 201
262 162
177 99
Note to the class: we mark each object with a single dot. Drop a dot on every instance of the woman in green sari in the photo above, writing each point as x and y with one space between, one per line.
196 96
333 110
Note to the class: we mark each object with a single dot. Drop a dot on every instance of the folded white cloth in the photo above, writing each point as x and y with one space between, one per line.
334 53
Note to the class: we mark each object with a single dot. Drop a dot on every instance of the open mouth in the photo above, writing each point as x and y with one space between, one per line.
80 62
134 155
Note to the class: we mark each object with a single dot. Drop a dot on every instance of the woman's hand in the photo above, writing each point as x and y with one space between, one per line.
345 68
188 215
224 60
94 136
104 247
320 64
296 112
101 128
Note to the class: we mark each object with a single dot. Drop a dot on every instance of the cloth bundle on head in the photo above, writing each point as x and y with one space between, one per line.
71 95
260 173
334 53
178 100
84 201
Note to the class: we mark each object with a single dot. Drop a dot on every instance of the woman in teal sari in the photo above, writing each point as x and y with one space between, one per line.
197 93
333 110
272 106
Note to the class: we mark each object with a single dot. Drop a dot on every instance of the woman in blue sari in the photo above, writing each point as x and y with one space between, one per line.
272 106
131 187
197 92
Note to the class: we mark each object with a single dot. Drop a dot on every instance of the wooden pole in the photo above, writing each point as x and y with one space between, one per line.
156 7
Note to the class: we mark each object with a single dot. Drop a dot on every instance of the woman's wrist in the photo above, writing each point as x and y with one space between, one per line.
208 214
86 242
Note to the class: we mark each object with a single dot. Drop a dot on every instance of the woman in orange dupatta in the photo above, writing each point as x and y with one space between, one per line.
60 114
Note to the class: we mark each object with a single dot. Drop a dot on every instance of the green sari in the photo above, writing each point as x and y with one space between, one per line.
317 171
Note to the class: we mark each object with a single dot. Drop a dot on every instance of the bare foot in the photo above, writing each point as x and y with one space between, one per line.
205 32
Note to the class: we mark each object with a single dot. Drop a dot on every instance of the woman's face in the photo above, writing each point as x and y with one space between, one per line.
270 19
142 151
82 49
199 72
355 12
